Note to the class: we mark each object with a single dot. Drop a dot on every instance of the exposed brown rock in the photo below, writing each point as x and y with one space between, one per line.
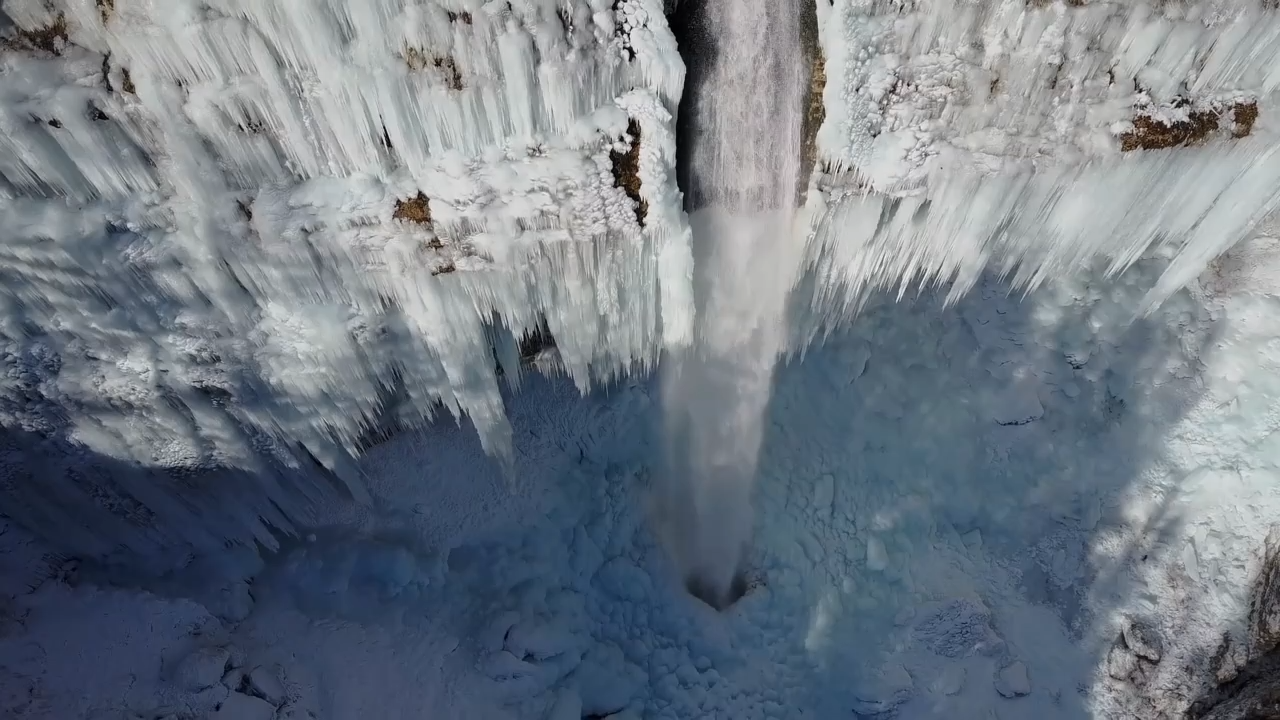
1264 605
1245 115
106 8
1151 134
416 209
51 39
452 78
815 112
626 171
463 17
126 82
417 60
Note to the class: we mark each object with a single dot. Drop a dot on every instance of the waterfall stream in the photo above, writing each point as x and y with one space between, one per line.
746 91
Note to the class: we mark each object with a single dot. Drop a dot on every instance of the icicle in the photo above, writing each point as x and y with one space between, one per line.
1037 225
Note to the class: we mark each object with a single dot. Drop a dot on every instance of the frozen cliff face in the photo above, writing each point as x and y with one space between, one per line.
236 230
1026 137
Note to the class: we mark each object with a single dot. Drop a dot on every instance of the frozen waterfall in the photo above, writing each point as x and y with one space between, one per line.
246 240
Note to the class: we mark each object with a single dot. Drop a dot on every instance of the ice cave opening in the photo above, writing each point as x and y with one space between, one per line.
639 360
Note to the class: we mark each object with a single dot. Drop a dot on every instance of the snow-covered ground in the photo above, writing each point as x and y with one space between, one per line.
1006 508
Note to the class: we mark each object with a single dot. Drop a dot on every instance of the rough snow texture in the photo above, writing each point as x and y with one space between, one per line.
1029 137
239 233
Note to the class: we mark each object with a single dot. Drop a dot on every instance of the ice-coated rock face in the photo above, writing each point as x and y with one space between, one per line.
240 236
202 669
245 238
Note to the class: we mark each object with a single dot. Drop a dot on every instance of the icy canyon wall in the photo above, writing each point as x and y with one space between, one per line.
245 237
1028 137
241 237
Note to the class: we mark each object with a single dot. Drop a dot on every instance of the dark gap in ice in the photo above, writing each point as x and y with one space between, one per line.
704 591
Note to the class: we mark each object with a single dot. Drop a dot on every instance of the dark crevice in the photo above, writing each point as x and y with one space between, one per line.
689 24
535 341
815 111
704 591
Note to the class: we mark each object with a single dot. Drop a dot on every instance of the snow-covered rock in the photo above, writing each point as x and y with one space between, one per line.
203 668
1143 640
1013 681
264 682
244 707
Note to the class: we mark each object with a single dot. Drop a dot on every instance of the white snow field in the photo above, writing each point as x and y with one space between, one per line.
1019 461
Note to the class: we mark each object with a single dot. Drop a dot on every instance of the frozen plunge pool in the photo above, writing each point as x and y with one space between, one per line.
958 513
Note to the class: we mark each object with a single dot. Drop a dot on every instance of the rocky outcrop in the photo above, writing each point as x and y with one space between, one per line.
1246 671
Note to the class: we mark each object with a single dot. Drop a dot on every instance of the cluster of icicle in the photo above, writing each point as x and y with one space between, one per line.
985 137
244 236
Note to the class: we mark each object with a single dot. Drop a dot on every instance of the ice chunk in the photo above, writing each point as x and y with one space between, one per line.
877 555
824 492
890 688
1012 680
1019 404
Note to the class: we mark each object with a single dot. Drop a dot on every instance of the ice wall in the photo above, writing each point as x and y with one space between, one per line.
747 101
1028 137
243 235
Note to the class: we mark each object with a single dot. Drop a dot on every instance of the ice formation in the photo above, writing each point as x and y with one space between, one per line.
972 505
1009 507
243 238
1026 138
238 230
